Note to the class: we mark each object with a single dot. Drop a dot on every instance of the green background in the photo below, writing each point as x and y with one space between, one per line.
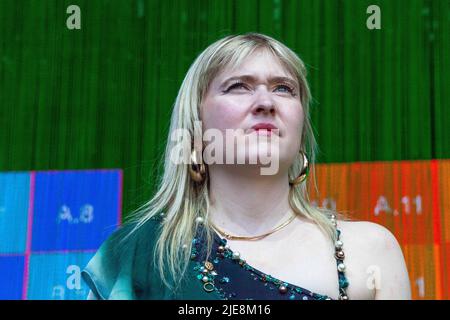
101 97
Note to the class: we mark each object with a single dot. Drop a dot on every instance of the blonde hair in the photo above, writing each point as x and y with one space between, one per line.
179 199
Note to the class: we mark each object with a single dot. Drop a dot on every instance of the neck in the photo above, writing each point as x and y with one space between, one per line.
245 203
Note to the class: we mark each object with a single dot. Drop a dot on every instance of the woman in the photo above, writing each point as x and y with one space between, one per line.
226 231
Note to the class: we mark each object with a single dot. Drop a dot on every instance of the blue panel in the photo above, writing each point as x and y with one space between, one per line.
74 210
57 276
11 277
14 198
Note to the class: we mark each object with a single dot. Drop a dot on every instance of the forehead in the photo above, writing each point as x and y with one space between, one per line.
261 64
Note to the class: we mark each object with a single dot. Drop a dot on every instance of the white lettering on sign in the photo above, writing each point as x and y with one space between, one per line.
64 214
86 214
383 205
58 293
420 283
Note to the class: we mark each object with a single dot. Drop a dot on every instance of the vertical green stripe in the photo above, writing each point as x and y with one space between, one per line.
101 97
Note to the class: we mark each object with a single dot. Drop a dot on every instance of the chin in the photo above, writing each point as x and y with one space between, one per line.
259 154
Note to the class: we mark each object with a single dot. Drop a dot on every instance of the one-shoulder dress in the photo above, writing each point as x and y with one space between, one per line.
125 269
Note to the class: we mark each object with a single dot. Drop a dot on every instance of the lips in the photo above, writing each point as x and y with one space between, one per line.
267 127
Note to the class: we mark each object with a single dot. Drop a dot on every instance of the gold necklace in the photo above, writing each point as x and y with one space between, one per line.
231 237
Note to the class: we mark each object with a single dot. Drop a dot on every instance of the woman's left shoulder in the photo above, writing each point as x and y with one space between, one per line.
369 234
370 243
372 249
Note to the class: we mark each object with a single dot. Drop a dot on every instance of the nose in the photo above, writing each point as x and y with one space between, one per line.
263 103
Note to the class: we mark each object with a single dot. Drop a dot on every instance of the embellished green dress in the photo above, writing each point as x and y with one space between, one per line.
124 269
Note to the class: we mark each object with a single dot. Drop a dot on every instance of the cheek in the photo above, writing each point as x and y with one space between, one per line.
294 116
222 114
294 123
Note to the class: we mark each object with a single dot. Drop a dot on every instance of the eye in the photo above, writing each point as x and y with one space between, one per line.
285 88
236 85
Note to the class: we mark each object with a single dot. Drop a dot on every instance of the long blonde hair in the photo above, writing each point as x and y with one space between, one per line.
178 198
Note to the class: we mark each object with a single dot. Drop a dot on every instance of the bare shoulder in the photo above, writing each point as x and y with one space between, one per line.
370 243
368 234
372 248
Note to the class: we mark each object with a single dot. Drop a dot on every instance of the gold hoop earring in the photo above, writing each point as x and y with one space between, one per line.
303 173
196 170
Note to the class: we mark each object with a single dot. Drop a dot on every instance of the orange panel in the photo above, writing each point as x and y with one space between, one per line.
410 198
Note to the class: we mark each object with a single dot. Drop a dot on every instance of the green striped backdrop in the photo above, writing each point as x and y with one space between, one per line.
101 97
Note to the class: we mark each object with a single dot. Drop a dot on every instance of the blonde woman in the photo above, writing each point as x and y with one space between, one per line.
225 230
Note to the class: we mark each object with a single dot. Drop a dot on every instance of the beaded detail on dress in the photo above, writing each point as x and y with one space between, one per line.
227 274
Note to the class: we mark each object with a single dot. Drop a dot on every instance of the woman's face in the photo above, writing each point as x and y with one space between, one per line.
259 91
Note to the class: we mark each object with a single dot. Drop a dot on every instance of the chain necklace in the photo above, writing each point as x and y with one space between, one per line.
252 238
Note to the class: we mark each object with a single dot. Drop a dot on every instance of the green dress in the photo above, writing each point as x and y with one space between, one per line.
124 269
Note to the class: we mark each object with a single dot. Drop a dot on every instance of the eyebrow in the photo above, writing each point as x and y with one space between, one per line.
250 78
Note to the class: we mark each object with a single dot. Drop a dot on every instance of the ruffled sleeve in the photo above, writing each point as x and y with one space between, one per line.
109 274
